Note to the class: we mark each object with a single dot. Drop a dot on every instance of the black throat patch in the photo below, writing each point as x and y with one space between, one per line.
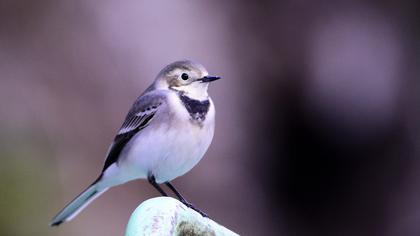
197 109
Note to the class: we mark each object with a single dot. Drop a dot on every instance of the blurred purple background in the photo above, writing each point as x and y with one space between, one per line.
317 113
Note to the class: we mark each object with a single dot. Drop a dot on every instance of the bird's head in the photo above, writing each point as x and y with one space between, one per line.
187 77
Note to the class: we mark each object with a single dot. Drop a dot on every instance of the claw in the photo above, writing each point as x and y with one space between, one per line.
189 205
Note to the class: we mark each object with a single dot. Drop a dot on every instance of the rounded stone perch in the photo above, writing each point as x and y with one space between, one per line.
168 216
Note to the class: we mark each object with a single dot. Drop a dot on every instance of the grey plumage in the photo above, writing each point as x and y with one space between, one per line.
77 205
159 139
139 116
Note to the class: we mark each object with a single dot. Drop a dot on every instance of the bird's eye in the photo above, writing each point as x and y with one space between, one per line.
184 76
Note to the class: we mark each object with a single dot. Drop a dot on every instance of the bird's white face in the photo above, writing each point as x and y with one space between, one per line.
187 77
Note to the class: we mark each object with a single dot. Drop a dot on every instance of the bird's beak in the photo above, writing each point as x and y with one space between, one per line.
208 78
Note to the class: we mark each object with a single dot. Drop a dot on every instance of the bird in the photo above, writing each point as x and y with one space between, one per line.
166 132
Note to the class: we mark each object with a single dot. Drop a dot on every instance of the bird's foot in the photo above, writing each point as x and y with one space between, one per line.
189 205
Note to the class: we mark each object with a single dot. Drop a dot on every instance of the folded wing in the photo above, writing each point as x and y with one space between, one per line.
138 118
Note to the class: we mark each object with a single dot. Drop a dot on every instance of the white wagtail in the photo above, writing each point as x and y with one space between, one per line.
165 134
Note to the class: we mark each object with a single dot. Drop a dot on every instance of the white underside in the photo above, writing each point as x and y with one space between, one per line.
169 147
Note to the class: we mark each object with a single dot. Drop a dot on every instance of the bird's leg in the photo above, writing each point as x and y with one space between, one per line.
152 181
184 201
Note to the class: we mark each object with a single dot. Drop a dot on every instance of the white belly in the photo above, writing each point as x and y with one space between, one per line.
167 148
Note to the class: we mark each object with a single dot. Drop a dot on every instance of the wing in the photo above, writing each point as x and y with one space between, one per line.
139 116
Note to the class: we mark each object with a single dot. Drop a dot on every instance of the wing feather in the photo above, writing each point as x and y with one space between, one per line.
138 118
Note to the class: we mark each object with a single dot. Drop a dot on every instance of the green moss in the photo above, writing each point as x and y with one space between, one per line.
186 228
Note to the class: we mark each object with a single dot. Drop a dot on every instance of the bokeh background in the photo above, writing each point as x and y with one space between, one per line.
318 112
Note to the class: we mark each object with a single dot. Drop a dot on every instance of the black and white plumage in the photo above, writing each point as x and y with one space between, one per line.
165 134
139 116
197 109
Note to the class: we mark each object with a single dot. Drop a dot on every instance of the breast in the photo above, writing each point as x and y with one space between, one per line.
184 108
188 140
195 120
171 145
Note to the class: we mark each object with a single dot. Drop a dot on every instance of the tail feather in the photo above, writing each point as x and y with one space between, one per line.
77 205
